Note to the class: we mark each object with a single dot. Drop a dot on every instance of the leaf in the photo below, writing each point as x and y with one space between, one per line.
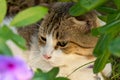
4 32
77 10
112 17
91 4
53 73
95 32
39 75
83 6
3 9
102 45
29 16
106 10
101 61
115 47
18 40
117 2
111 27
103 18
4 49
102 52
61 78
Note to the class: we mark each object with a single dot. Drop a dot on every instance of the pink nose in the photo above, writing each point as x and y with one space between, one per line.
46 56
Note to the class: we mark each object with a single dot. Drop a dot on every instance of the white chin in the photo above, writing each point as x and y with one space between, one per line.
56 65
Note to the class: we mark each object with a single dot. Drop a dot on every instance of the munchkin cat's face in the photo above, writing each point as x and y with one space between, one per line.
63 38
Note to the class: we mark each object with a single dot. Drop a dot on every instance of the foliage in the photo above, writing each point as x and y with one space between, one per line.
109 36
29 16
26 17
51 75
3 9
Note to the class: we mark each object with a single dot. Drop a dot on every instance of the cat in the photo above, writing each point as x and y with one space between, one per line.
64 41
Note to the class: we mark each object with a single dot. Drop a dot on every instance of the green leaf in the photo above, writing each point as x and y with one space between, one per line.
101 61
106 10
113 17
103 18
18 40
95 32
42 76
3 9
101 52
102 45
91 4
77 10
115 47
117 2
113 27
29 16
4 49
83 6
5 32
53 73
61 78
39 75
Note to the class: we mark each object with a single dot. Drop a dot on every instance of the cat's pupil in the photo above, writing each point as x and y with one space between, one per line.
62 43
43 39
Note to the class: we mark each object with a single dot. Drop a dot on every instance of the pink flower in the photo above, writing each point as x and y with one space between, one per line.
14 68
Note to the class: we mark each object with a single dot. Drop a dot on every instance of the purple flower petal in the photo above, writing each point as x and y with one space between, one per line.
14 68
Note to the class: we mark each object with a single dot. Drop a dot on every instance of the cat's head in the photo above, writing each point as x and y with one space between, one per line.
63 37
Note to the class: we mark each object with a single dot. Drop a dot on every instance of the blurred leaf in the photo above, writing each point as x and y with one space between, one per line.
39 75
102 45
39 71
106 10
101 52
61 78
101 61
29 16
115 46
113 27
113 17
91 4
77 10
53 73
117 2
5 32
19 41
103 18
3 9
4 49
95 32
83 6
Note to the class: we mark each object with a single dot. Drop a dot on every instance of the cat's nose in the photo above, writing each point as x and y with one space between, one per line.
46 56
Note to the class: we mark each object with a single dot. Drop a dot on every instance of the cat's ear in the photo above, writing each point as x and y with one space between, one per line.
90 19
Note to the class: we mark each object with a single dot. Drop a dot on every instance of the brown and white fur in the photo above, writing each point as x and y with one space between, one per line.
65 41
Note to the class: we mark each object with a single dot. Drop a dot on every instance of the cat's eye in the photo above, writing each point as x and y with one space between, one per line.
43 38
62 43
